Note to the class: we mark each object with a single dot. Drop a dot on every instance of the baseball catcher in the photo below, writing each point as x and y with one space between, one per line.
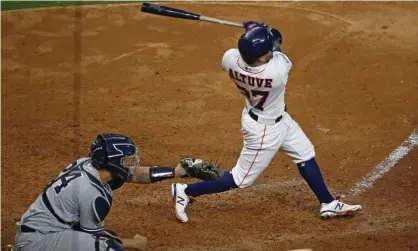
70 212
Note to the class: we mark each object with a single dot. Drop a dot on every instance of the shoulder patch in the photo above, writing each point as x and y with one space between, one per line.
101 208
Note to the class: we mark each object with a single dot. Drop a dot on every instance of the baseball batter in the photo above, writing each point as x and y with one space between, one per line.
69 214
260 70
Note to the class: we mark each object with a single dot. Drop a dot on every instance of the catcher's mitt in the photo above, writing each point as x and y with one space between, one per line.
198 168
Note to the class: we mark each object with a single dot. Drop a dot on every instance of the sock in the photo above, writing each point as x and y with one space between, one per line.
225 183
312 175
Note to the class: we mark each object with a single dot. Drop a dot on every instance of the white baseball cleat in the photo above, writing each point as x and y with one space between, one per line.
337 208
180 200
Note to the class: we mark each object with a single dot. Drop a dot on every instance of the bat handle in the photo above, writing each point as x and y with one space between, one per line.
220 21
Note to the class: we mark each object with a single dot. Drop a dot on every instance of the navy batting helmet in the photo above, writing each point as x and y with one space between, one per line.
254 43
115 153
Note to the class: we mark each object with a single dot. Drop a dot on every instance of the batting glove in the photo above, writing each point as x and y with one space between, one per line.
248 23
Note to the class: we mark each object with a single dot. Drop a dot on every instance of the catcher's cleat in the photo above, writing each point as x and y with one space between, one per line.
181 201
336 208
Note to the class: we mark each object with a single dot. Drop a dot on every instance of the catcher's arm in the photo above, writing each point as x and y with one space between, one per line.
151 174
187 167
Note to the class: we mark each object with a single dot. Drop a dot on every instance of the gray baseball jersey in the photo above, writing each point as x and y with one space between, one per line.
75 200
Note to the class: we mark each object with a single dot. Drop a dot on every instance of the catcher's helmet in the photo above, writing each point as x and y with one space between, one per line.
254 43
115 153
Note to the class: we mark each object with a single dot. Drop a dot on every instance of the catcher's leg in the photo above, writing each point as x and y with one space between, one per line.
68 240
75 240
29 241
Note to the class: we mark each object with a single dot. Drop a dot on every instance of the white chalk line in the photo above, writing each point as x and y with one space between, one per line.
148 45
380 170
123 55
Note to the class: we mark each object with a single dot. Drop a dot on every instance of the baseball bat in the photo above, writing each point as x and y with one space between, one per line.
176 13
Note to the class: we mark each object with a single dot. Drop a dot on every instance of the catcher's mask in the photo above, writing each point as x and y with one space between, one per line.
116 153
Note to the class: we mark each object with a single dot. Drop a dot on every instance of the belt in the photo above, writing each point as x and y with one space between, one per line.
255 116
26 229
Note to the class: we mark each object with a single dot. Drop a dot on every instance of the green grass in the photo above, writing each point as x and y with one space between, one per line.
15 5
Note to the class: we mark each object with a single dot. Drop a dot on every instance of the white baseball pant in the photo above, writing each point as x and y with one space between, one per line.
263 140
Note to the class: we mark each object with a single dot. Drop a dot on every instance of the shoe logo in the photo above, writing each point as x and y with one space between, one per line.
339 206
180 200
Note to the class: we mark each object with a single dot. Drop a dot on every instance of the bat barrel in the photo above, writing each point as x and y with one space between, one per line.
167 11
176 13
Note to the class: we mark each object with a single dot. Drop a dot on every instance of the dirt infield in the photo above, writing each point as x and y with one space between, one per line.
71 73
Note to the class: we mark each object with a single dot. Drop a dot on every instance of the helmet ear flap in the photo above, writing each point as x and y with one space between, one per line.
98 152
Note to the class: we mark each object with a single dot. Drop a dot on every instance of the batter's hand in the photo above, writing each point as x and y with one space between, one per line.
248 25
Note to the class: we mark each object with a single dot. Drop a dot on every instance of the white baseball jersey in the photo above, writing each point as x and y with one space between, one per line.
263 86
71 206
273 129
